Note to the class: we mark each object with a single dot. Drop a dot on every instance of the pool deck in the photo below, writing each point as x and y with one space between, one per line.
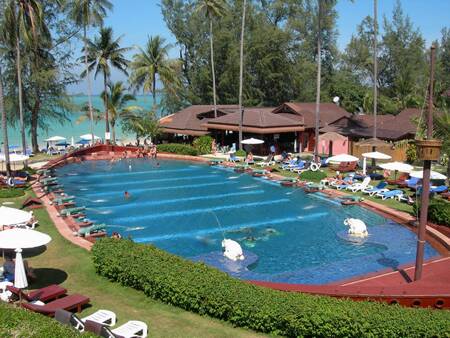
391 286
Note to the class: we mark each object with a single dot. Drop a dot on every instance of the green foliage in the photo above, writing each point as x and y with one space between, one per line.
240 153
144 125
411 153
438 211
203 144
11 192
314 176
17 322
176 148
201 289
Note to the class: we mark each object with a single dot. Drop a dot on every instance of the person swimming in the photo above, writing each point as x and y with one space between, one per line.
126 195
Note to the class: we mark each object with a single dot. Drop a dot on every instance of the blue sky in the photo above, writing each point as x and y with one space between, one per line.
137 19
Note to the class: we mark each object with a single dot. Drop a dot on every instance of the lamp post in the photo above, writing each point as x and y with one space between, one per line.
428 150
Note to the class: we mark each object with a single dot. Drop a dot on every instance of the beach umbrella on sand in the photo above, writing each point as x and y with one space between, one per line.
433 175
376 155
342 158
55 139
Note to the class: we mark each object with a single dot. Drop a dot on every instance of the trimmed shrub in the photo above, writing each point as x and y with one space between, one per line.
17 322
203 144
411 153
201 289
314 176
11 192
241 153
438 211
176 148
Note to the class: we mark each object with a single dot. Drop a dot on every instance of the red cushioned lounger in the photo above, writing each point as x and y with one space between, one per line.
66 303
44 294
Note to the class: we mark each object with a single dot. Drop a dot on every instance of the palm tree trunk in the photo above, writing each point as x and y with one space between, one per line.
19 87
88 77
113 130
241 75
105 102
34 125
4 128
154 91
375 68
319 75
211 38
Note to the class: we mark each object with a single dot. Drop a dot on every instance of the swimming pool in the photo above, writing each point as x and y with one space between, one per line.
187 208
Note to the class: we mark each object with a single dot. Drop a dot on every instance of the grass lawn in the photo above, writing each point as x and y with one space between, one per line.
66 264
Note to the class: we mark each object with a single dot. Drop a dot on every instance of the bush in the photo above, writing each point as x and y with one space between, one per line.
17 322
411 153
438 211
315 176
203 144
241 153
11 192
198 288
176 148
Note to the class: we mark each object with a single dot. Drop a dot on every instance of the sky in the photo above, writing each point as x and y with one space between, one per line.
138 19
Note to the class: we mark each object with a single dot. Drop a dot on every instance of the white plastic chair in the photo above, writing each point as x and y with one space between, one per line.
104 317
132 328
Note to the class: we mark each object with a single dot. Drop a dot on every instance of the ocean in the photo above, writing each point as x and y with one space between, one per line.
71 128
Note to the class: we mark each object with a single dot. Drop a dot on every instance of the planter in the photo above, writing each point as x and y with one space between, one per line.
428 149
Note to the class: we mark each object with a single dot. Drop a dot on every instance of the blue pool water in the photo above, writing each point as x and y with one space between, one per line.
187 208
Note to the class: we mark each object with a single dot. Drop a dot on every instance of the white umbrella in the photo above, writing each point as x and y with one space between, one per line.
342 158
397 166
20 276
433 175
375 155
14 158
55 139
88 137
22 239
12 216
252 141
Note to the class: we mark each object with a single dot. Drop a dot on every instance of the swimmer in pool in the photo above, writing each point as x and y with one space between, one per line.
127 195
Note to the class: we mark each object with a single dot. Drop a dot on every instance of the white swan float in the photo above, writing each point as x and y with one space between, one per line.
232 250
356 227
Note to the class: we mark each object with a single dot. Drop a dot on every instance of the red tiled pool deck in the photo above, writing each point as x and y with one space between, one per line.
398 286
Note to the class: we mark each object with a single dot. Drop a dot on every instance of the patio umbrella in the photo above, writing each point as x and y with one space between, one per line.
342 158
397 166
374 155
11 216
252 141
83 142
55 139
433 175
62 144
20 276
89 137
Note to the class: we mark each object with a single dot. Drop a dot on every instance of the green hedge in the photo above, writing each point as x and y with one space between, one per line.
11 192
315 176
176 148
17 322
240 153
198 288
203 144
438 211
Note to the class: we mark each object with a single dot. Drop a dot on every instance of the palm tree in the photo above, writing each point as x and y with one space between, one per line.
4 127
151 62
25 19
105 53
319 75
212 9
87 13
241 75
442 131
117 100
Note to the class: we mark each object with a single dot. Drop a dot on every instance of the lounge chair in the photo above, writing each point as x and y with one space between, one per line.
132 328
412 183
343 185
360 186
101 317
71 302
268 161
380 187
45 294
390 194
233 158
104 317
408 199
439 189
86 231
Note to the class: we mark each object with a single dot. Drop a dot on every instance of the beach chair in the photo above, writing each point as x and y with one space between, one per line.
268 161
360 186
411 183
233 158
439 189
343 185
71 302
91 229
380 187
132 328
45 294
301 166
390 194
104 317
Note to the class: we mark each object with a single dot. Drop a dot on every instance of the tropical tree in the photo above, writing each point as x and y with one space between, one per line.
442 131
143 125
117 100
86 14
153 62
24 20
4 127
241 73
105 53
213 9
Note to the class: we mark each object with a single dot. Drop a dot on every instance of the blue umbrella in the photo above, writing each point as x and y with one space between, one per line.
62 144
83 142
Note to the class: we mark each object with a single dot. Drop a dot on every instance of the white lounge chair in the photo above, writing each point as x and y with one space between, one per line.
104 317
268 161
360 186
130 329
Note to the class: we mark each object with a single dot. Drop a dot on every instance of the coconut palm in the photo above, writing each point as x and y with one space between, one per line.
117 101
213 9
105 53
241 75
85 14
4 127
25 22
150 63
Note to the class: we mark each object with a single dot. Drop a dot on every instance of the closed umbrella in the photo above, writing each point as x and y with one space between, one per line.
433 175
376 155
20 276
342 158
11 216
